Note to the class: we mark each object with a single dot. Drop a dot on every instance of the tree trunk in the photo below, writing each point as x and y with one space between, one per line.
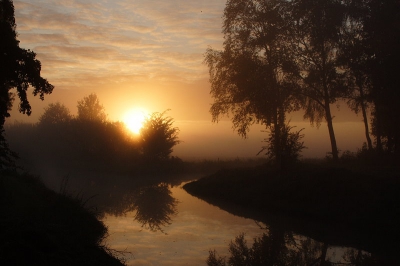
328 117
364 113
378 134
277 140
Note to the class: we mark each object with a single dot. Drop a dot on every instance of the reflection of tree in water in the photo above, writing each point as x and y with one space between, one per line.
154 206
153 203
361 258
282 249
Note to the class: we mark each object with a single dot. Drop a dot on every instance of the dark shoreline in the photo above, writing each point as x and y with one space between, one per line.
42 227
334 205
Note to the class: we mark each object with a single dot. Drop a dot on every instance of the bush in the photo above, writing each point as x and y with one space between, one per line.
158 137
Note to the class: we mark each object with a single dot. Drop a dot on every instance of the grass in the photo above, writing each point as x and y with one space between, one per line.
340 205
42 227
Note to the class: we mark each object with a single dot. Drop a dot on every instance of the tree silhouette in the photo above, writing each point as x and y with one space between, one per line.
381 38
19 69
158 136
317 32
154 206
55 113
250 78
90 109
288 146
275 248
355 61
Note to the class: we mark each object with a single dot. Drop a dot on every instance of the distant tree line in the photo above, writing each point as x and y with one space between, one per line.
90 141
88 138
281 56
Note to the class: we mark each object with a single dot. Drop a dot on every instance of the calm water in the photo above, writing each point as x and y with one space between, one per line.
195 227
155 223
191 230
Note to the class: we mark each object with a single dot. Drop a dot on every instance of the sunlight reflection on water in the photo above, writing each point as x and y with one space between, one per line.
175 228
197 228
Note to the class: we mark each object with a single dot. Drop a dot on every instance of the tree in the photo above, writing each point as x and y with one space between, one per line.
154 206
90 109
274 248
19 69
7 156
381 38
318 25
353 54
55 113
251 77
290 145
371 55
158 136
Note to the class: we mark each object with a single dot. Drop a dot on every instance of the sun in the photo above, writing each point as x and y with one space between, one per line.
134 119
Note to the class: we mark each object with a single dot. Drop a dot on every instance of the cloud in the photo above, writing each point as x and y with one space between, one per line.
45 38
162 40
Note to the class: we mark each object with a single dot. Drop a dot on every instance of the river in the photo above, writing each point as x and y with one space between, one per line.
195 228
164 225
158 223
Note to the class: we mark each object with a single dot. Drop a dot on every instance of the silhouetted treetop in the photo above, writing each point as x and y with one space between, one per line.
158 136
154 206
279 55
249 77
89 108
252 77
55 113
19 69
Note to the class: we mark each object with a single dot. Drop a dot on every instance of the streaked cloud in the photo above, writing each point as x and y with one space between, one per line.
153 39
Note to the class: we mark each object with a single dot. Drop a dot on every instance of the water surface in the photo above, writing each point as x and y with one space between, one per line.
158 223
195 228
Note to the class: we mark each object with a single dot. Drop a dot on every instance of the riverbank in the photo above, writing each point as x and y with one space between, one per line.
42 227
335 205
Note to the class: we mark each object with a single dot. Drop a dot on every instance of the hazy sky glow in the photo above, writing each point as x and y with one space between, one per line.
98 43
147 54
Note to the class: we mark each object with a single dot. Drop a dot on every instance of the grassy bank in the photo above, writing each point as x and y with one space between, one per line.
41 227
332 204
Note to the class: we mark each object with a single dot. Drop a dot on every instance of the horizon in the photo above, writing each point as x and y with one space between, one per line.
133 55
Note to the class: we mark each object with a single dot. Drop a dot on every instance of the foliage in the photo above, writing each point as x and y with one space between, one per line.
352 55
252 78
158 136
278 55
154 206
380 39
215 260
55 113
89 108
369 52
19 69
249 78
7 156
271 249
284 149
318 27
67 142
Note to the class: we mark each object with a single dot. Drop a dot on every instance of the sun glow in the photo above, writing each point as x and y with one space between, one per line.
134 119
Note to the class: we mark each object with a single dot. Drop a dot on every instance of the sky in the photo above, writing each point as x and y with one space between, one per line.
149 54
